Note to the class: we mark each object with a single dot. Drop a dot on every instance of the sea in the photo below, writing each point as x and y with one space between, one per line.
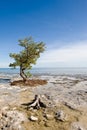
7 73
47 71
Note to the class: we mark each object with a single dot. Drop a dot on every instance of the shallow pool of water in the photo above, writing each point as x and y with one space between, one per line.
4 80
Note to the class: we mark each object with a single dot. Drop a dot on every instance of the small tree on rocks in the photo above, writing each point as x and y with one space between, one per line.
28 56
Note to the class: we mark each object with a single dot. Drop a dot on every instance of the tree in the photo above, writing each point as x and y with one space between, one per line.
28 56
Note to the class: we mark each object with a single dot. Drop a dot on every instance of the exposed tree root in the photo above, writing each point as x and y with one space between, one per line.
36 103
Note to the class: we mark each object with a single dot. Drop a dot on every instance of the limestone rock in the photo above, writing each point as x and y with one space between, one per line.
77 126
11 120
71 105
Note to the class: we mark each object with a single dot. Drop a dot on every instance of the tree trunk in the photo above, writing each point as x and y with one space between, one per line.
22 74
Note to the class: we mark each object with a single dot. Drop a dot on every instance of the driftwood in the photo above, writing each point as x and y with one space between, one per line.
36 103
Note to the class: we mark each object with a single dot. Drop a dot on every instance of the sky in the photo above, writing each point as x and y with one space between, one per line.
60 24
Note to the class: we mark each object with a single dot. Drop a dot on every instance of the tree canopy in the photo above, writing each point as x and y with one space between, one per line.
28 56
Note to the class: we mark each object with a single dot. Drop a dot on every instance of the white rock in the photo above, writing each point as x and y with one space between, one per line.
33 118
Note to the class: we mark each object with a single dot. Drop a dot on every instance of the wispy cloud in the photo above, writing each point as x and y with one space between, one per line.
74 54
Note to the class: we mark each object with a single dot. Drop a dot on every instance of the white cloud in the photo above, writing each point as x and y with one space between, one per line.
73 55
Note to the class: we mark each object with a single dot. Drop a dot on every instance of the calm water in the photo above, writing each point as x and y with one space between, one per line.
7 73
49 71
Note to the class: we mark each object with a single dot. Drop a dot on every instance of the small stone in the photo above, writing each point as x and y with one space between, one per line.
60 115
33 118
47 124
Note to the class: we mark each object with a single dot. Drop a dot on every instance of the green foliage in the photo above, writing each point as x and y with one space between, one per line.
29 55
28 74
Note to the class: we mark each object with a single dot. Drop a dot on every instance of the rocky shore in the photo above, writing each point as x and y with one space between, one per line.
65 97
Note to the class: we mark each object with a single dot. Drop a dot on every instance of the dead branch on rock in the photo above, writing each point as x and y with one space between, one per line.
36 103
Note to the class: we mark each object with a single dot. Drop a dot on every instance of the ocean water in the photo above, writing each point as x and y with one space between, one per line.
47 71
7 73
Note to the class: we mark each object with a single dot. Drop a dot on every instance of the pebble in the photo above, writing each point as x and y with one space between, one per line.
60 115
33 118
47 124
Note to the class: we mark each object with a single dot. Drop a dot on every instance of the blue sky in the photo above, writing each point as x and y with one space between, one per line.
61 24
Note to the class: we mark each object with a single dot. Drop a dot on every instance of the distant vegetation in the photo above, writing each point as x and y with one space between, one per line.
27 57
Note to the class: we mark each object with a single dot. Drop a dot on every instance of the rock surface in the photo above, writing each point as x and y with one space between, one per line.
11 120
49 116
64 95
77 126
